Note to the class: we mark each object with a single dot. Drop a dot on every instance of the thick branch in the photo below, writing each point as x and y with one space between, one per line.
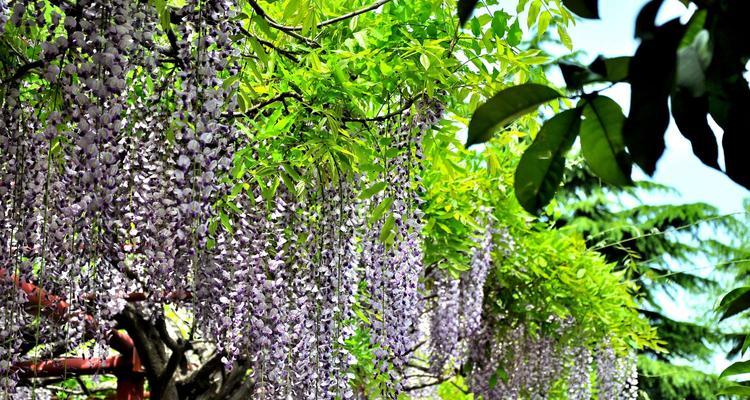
425 385
145 339
199 382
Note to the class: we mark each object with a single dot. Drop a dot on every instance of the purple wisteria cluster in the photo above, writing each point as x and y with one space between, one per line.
104 190
285 282
393 267
514 365
580 362
4 11
616 376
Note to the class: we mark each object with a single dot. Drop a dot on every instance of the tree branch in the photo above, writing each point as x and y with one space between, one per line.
22 71
254 109
331 21
199 381
144 337
289 30
352 14
384 117
286 53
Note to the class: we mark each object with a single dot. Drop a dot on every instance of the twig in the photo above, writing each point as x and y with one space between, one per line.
352 14
384 117
254 109
424 385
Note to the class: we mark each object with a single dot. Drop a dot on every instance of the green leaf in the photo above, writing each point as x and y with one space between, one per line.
465 9
690 115
564 37
533 14
735 302
373 190
575 75
544 20
515 35
583 8
602 143
745 345
505 107
381 209
362 315
540 170
740 367
500 23
695 26
611 69
425 61
736 390
386 232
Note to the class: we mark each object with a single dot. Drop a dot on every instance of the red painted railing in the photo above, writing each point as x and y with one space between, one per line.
126 367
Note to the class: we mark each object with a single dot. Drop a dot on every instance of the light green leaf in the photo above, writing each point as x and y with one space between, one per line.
564 37
425 61
544 19
381 209
373 190
533 14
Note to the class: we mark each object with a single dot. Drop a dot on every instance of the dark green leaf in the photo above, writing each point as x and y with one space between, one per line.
745 345
575 75
735 302
583 8
602 143
651 76
690 114
740 367
601 70
465 9
645 23
505 107
541 167
611 69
